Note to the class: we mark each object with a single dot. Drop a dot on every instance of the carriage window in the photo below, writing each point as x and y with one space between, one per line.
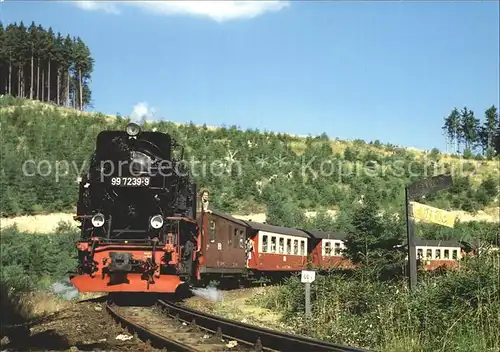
302 248
282 245
264 243
337 248
242 239
212 231
235 239
273 244
438 254
288 246
295 247
328 248
446 254
455 254
429 253
420 253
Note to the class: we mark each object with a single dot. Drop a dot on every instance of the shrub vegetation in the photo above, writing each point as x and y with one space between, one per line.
456 311
257 169
31 263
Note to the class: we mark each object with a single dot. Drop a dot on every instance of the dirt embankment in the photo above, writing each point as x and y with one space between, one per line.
59 325
48 223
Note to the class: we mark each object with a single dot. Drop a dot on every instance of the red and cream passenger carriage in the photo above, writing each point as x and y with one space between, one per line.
326 250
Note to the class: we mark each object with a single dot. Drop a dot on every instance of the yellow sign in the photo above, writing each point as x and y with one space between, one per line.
433 215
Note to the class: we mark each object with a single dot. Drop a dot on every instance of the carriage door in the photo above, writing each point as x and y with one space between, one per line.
313 247
238 258
221 243
212 253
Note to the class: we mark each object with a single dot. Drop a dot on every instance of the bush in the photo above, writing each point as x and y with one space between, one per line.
456 311
32 262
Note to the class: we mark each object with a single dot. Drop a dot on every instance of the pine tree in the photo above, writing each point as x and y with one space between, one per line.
452 128
372 239
497 142
469 128
32 35
490 127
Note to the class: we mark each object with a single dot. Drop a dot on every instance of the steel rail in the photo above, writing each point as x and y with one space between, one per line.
263 339
145 334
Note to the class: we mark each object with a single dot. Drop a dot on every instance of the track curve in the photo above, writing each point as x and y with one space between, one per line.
189 330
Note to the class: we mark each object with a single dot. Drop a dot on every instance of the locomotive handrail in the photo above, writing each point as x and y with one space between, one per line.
271 340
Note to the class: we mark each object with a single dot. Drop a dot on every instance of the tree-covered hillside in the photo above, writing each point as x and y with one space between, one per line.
37 63
44 151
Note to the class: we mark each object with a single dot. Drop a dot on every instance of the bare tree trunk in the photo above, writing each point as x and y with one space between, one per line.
19 93
67 88
80 88
32 86
10 74
23 84
49 98
43 85
58 86
38 80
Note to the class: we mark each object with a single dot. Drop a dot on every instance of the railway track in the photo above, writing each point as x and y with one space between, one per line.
187 330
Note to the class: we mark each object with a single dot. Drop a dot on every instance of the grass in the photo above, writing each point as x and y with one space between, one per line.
457 311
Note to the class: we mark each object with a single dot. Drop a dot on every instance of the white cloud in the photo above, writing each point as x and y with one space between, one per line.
142 112
216 10
106 6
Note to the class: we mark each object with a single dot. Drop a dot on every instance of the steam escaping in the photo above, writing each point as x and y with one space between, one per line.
210 293
65 289
141 112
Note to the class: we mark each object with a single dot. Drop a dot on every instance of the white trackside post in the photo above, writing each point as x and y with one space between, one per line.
307 277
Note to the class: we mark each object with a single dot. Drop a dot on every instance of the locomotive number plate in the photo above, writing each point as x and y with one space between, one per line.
130 181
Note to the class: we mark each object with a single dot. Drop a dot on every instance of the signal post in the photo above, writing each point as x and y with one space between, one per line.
413 191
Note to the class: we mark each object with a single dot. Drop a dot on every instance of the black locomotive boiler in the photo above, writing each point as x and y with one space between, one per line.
137 214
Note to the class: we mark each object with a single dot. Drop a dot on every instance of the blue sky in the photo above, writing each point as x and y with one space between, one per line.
370 70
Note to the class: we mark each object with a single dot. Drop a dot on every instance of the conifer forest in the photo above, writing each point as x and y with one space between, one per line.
36 63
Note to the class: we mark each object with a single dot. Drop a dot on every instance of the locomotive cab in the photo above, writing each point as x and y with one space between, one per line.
137 216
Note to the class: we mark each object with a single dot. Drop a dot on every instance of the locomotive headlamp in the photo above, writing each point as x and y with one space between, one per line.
98 220
133 129
156 221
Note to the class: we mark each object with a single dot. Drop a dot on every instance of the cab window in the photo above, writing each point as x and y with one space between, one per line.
242 239
212 231
235 239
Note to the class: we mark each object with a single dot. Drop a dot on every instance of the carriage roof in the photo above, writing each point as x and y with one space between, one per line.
276 229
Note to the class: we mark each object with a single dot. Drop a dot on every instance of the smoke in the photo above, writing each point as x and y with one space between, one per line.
210 293
141 112
65 289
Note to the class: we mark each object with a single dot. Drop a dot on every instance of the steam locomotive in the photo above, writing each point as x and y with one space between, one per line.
137 214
